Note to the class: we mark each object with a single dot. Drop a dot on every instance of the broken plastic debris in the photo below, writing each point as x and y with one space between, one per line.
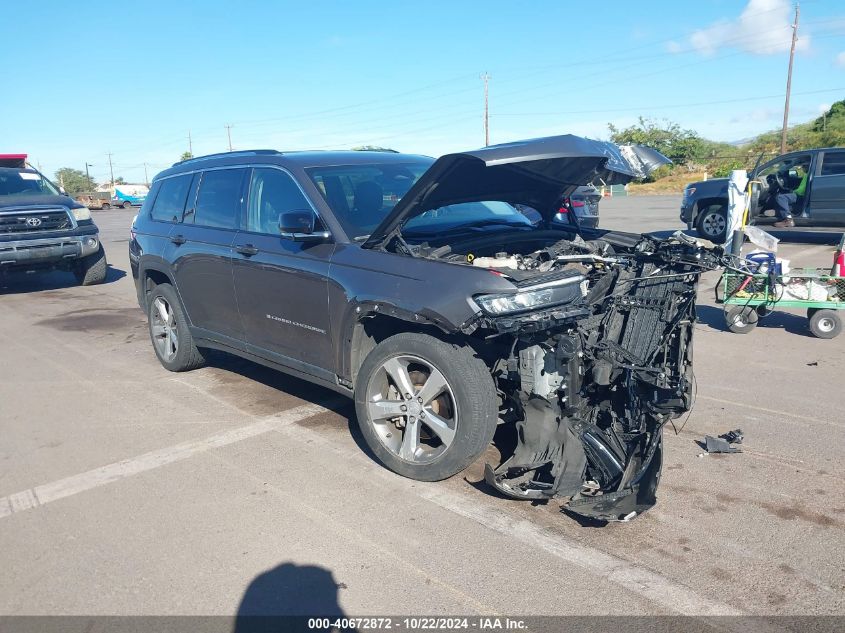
733 437
719 445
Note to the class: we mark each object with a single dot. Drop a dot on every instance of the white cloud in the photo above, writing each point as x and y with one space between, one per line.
763 28
840 60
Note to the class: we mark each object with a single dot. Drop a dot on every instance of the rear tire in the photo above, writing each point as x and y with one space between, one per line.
126 204
712 223
106 206
172 341
440 421
825 324
741 320
92 269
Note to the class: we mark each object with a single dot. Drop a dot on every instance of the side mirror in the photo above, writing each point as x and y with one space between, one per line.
299 225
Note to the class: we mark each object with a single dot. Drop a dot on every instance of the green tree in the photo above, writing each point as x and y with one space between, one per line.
119 181
668 138
74 180
186 156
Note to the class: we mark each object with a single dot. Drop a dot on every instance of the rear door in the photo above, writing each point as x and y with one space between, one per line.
282 285
202 259
827 192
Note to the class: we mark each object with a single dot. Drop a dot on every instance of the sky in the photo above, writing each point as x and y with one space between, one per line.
90 78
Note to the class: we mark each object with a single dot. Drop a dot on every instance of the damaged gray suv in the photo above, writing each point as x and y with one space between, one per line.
418 288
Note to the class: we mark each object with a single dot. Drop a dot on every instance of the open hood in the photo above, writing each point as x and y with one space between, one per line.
536 172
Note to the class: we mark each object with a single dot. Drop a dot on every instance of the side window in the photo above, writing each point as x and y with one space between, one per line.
219 198
170 201
272 192
834 164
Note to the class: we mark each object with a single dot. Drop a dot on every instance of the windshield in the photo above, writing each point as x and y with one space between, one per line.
361 196
25 182
466 215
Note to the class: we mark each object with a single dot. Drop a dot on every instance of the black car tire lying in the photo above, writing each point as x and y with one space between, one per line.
92 269
476 403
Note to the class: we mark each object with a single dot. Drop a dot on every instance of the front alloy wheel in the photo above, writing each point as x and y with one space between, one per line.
426 408
412 408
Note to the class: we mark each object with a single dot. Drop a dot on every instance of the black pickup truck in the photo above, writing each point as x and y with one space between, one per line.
43 229
705 204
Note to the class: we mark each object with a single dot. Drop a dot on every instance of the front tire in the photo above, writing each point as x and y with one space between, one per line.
741 320
92 269
172 341
426 408
712 223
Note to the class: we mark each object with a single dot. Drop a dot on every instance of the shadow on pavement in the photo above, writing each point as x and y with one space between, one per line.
714 317
283 598
17 283
296 387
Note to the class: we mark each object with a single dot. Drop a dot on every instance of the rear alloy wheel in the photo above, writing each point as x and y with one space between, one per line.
426 408
127 204
741 320
712 223
172 341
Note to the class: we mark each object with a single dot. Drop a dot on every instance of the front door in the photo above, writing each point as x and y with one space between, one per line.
282 285
827 197
203 254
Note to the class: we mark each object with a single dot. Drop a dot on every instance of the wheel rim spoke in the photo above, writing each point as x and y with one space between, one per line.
385 409
410 441
433 387
161 308
440 427
398 372
159 330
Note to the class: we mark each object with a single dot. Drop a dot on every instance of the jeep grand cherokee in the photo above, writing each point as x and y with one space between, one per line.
417 288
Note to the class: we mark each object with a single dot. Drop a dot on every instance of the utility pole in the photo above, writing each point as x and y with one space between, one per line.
229 134
146 178
789 81
111 171
486 79
190 145
87 175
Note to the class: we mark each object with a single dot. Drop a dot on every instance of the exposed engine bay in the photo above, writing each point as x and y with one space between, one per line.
594 366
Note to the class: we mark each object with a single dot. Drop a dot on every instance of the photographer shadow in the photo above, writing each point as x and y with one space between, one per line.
286 597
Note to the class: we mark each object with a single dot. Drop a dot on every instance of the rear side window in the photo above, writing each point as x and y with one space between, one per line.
219 198
170 201
272 192
834 164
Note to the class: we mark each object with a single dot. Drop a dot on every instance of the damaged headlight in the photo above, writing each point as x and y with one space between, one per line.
539 296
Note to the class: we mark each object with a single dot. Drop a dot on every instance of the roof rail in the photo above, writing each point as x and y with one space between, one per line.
248 152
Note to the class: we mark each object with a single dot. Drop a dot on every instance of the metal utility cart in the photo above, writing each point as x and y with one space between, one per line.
754 295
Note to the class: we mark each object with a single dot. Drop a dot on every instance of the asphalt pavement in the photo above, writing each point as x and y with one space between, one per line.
126 489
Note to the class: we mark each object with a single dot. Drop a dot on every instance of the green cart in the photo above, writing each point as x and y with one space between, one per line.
756 295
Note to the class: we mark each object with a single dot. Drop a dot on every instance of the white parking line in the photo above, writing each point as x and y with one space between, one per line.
41 495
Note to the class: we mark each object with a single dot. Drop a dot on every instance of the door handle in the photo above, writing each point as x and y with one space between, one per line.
178 239
247 249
